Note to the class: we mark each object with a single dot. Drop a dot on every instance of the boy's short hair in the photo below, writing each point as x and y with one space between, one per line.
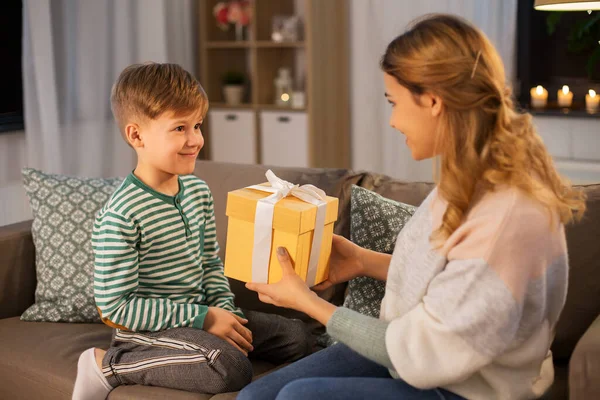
145 91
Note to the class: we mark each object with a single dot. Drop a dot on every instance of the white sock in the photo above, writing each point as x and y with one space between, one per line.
91 384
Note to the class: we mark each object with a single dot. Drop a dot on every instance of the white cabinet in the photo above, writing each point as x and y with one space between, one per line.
574 143
232 136
556 134
284 138
586 139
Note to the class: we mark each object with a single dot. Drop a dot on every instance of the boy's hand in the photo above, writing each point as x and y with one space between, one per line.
229 327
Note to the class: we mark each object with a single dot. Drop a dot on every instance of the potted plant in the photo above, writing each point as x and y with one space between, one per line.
233 87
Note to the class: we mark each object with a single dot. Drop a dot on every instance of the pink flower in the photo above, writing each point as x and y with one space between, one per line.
245 20
220 12
233 12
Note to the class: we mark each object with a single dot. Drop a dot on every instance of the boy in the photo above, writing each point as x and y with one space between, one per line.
158 279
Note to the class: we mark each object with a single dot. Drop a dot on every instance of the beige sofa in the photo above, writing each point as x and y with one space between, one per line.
38 360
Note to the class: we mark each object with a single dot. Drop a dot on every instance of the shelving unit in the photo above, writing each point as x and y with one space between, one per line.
318 61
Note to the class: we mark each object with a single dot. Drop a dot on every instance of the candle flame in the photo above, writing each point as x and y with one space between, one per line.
565 89
539 90
592 93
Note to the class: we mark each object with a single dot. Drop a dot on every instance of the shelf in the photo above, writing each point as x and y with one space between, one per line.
246 44
273 107
322 35
243 106
267 44
552 110
259 107
228 44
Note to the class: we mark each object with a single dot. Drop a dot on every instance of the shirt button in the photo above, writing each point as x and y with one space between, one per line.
177 200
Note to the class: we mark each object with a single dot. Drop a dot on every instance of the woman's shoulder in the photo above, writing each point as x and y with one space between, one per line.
508 205
506 224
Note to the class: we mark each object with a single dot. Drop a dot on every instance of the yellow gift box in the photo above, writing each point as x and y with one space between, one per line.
293 227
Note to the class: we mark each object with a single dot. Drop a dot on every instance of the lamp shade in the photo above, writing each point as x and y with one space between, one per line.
566 5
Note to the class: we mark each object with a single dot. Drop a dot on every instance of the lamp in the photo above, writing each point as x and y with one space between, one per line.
566 5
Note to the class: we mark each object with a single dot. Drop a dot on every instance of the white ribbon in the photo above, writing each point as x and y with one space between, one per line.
263 224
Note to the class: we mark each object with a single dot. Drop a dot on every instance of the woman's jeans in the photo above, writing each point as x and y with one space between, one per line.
337 373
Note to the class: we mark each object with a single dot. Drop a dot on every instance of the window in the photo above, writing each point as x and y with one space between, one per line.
11 82
556 49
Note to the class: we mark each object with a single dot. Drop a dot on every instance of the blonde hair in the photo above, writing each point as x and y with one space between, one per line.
482 139
145 91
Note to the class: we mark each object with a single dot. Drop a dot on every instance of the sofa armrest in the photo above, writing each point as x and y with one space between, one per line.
17 269
584 366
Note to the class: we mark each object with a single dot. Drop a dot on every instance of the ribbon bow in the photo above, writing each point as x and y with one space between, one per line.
263 224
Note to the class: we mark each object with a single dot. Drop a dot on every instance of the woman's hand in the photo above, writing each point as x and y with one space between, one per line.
291 292
229 327
345 262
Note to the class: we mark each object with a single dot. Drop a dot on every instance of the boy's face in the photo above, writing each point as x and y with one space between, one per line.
171 144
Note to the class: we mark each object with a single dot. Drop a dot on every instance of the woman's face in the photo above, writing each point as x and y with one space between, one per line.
417 121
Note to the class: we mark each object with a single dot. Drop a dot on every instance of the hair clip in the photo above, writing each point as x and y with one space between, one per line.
476 62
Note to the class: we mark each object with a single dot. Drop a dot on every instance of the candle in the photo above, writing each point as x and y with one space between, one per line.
592 100
565 97
539 97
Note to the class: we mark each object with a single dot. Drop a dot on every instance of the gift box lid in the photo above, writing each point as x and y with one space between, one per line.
290 215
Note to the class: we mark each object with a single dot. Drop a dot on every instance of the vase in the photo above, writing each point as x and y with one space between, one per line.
233 94
239 32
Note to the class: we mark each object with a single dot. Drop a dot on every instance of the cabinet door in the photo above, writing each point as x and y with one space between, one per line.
284 138
586 138
556 134
232 136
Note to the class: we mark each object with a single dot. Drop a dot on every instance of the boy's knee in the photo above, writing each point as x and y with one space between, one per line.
300 340
235 371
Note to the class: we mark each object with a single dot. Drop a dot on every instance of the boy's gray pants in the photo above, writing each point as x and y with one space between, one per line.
194 360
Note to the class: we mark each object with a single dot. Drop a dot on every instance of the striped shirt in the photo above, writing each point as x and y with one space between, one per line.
156 263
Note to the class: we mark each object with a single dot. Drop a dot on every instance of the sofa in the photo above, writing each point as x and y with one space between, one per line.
38 359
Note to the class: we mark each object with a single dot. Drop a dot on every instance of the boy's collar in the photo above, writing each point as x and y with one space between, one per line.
172 200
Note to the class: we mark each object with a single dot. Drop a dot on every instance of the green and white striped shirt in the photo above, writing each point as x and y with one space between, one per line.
156 257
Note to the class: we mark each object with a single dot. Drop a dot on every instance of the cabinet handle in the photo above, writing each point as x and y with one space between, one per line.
283 119
231 117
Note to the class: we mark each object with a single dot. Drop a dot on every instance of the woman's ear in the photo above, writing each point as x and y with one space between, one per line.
435 102
132 133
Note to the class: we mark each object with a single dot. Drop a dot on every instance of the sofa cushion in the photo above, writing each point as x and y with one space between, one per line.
412 193
17 269
64 209
583 298
38 360
375 225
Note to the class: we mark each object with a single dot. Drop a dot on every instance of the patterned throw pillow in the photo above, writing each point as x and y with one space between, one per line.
375 223
64 209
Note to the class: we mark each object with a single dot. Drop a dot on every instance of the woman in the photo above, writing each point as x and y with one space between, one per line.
479 274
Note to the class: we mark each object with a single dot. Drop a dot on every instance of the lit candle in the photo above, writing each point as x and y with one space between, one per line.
592 100
565 97
539 97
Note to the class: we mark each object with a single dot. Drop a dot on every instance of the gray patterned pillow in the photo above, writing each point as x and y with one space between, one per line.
64 209
375 223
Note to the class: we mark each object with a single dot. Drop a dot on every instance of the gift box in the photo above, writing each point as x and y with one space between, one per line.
279 214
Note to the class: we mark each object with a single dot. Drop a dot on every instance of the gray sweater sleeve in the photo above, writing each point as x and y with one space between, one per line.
363 334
